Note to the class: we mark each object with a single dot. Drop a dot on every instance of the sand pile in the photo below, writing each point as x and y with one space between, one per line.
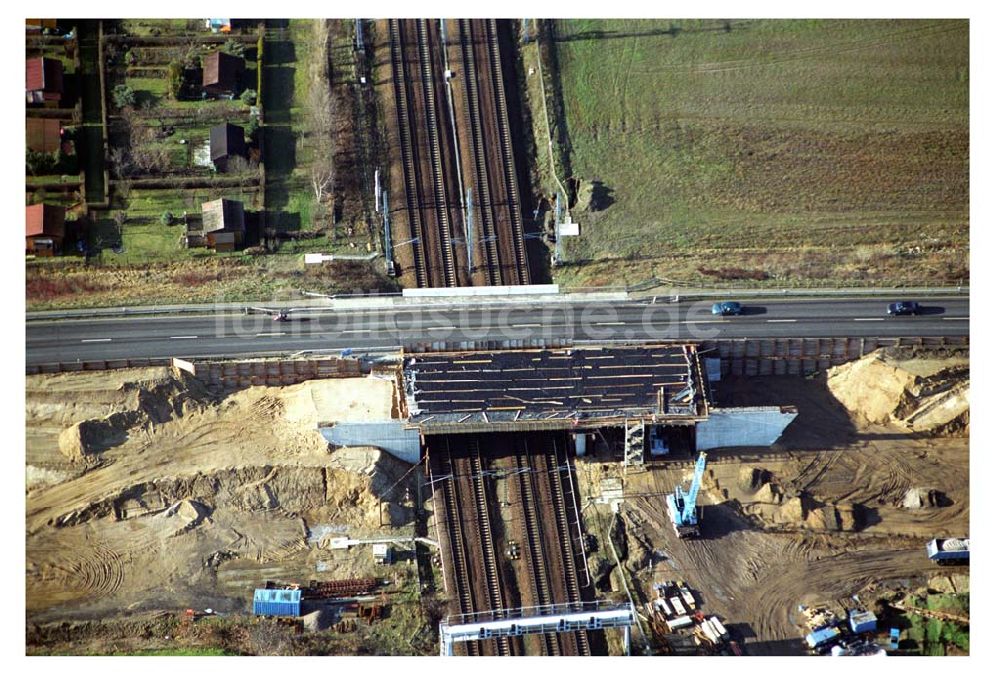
156 397
769 493
921 394
751 479
800 512
81 441
326 400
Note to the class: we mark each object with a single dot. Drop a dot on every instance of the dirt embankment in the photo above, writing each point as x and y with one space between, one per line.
913 392
146 492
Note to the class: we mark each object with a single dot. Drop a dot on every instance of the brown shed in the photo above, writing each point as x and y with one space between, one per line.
223 214
43 80
222 73
39 24
43 135
44 229
227 141
223 241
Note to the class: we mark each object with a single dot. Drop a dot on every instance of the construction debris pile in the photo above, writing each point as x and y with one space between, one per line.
673 614
319 605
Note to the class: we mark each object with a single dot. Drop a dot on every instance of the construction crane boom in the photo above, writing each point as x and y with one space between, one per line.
682 505
692 495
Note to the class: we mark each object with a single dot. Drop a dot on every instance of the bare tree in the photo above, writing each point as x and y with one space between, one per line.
120 162
322 179
120 218
321 124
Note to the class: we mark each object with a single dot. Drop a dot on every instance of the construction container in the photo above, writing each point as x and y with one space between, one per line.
822 637
720 629
680 622
277 602
687 597
863 621
382 553
675 602
709 631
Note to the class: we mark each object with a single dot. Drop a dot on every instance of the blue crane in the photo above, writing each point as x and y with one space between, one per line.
682 505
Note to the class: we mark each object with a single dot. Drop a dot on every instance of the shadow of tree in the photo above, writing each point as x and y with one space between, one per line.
601 198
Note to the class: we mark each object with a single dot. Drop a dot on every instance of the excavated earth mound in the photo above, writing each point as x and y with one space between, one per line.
916 393
146 491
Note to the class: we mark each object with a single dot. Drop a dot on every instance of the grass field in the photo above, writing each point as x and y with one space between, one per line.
768 152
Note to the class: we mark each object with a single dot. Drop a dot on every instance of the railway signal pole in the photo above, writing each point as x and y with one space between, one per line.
469 238
390 267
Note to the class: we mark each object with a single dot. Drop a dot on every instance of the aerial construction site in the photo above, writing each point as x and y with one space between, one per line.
513 442
465 488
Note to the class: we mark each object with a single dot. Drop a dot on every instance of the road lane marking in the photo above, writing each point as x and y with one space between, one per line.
608 324
703 321
273 333
782 320
869 319
448 328
183 337
354 331
954 318
94 340
524 326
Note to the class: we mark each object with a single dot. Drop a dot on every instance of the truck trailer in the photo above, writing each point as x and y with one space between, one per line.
948 550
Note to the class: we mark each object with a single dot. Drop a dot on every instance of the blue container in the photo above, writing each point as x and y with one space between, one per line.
277 602
821 636
863 621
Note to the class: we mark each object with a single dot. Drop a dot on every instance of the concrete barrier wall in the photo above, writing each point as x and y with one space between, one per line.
94 365
803 356
274 372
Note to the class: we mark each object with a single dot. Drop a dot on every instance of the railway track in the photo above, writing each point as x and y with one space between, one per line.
554 475
516 240
404 122
494 584
440 192
456 539
480 151
544 503
474 124
532 536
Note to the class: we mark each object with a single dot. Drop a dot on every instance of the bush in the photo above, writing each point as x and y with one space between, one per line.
253 127
234 47
123 96
166 218
40 164
934 627
249 97
175 78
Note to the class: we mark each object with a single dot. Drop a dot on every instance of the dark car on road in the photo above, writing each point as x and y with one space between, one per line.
727 308
903 308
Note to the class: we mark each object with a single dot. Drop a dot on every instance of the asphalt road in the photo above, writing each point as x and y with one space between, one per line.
234 334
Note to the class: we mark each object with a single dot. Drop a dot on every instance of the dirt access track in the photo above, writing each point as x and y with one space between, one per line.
145 491
840 506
